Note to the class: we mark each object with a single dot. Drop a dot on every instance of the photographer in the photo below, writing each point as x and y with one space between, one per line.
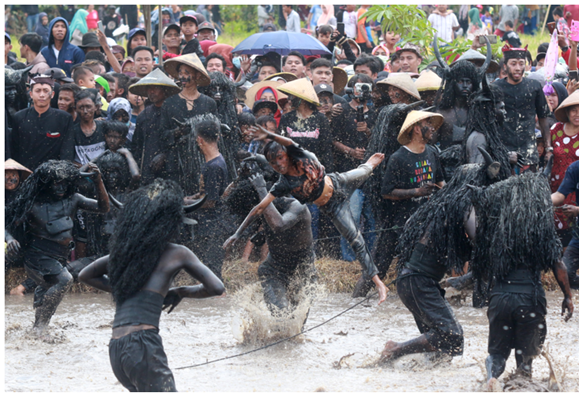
350 139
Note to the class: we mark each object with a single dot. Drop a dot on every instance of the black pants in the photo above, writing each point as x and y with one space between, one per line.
435 319
140 364
516 321
571 260
208 238
281 283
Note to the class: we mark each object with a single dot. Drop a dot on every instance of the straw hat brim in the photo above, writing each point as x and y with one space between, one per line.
406 86
301 88
340 79
191 60
265 104
252 91
287 76
493 66
561 111
13 165
141 90
428 81
414 117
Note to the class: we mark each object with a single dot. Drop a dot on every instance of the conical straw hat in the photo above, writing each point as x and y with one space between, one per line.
428 81
301 88
403 82
561 112
404 137
192 60
12 165
287 76
252 91
340 79
155 78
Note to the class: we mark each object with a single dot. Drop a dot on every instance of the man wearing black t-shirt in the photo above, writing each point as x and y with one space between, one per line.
305 179
413 173
209 233
524 98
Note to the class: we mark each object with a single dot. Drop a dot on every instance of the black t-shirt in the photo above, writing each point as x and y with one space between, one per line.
307 187
513 39
88 148
213 182
407 170
522 102
344 131
111 23
313 134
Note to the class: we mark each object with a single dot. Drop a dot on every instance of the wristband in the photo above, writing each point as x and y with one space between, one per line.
549 149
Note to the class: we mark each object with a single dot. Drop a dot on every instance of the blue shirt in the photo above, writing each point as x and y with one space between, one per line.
571 184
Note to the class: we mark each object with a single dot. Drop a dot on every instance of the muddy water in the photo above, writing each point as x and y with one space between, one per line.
198 331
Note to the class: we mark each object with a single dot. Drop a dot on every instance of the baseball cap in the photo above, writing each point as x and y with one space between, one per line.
206 25
189 15
172 26
58 74
323 88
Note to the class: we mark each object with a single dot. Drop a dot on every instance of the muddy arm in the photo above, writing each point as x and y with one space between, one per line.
560 272
95 275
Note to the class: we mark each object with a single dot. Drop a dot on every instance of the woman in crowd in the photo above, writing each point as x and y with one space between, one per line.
78 27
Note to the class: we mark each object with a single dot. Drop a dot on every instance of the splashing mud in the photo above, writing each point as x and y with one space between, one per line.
200 330
254 323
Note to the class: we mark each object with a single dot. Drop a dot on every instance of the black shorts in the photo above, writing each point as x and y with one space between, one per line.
515 321
139 362
435 319
43 264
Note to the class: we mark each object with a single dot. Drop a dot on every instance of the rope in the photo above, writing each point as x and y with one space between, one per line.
285 339
363 233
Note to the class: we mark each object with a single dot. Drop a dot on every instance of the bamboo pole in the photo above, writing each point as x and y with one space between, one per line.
546 17
160 38
147 18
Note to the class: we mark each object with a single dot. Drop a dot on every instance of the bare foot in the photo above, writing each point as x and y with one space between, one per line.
19 290
375 160
493 385
388 353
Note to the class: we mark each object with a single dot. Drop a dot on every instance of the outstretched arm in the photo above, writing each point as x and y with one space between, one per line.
133 167
259 133
95 275
251 217
560 272
276 221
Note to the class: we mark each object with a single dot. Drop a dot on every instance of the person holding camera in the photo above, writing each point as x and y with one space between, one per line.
350 139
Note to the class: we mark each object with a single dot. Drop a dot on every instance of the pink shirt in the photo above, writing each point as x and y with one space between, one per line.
92 19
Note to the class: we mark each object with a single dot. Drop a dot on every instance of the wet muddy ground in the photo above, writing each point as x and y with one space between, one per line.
199 331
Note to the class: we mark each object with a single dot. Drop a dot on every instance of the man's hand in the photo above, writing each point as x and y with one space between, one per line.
337 110
245 63
258 133
570 210
13 246
572 86
368 44
548 155
427 189
182 130
172 299
561 40
92 167
102 38
158 163
230 242
123 150
382 290
567 305
362 126
357 153
257 181
476 45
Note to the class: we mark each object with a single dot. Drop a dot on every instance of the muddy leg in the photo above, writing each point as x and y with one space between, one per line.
47 302
393 350
495 365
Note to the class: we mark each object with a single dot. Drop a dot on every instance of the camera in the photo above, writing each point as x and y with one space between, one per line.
362 91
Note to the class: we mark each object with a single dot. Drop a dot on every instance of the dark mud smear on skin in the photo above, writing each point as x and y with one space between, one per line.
198 331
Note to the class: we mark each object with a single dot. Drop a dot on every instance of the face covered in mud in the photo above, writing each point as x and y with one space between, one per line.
500 112
58 189
10 93
463 87
12 179
187 76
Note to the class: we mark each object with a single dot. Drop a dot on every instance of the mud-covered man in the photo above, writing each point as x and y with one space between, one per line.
285 219
46 204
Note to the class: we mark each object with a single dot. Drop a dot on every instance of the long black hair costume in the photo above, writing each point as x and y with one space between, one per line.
482 118
223 91
37 186
148 221
445 99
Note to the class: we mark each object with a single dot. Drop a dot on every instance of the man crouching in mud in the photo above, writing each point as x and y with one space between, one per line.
517 306
45 205
139 272
288 262
305 178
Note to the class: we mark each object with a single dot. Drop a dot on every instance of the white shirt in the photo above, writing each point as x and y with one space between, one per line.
293 22
350 23
56 52
443 25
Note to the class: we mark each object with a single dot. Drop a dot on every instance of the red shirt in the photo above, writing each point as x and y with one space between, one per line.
565 152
